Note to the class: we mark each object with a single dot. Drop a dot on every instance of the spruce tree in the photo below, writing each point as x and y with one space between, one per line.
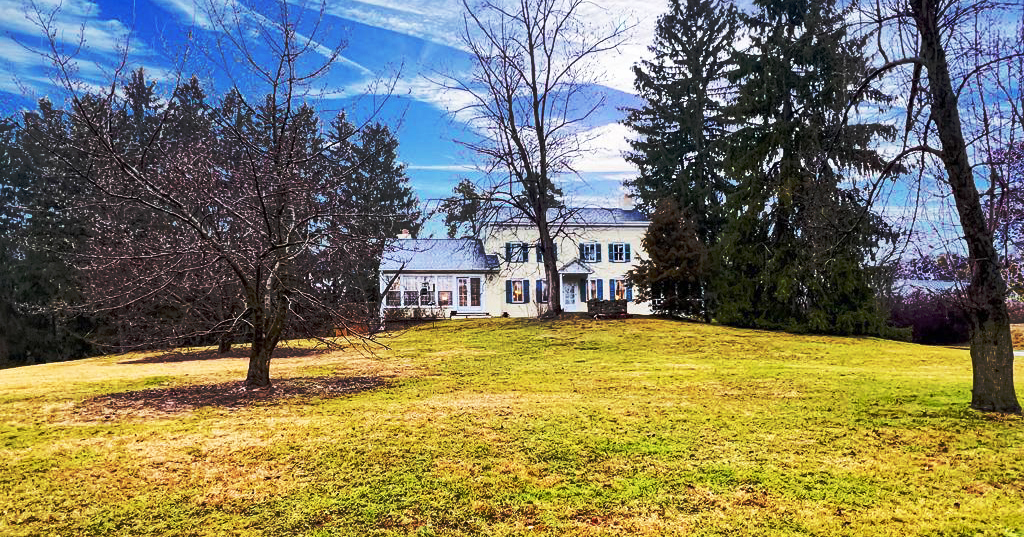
674 274
680 127
796 249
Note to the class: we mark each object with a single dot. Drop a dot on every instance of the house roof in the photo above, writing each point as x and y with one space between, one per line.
581 216
436 255
906 287
576 267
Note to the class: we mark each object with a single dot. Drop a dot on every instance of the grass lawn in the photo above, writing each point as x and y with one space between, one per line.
517 427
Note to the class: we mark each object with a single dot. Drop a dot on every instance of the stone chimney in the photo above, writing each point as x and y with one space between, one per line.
404 234
626 203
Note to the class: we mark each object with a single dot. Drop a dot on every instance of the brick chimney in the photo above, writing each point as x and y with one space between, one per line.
626 203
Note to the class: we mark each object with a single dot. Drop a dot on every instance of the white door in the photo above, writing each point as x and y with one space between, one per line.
468 291
569 296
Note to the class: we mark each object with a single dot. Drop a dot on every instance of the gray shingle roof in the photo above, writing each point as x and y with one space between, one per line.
436 255
580 216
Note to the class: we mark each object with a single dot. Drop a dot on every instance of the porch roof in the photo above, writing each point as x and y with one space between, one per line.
575 267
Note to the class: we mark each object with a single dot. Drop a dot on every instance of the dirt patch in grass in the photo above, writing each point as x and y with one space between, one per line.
230 395
212 354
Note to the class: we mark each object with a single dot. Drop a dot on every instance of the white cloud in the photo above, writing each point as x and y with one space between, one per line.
73 22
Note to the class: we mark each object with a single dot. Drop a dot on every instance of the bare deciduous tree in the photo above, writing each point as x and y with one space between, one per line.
530 94
227 222
930 43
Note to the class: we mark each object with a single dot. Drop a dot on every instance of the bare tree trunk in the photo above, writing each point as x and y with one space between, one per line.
551 269
258 375
991 347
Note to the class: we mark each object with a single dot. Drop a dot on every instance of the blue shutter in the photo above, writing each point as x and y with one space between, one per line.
540 253
583 291
540 290
526 291
600 288
629 293
582 258
508 252
611 289
598 248
628 258
508 291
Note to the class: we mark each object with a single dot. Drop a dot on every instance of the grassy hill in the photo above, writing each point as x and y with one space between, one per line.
516 427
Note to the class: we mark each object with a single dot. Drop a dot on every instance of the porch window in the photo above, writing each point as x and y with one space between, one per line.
427 290
394 298
410 291
444 291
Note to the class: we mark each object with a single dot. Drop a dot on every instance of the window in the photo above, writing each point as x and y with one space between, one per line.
590 252
410 291
618 252
427 291
594 290
517 252
444 291
517 292
474 292
394 298
542 291
620 290
540 253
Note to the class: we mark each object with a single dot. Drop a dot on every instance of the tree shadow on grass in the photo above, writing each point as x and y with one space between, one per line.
212 354
229 395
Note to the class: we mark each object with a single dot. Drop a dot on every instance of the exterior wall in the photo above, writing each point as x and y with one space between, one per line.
442 281
568 251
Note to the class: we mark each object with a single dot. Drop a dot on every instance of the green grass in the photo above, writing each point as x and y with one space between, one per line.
518 427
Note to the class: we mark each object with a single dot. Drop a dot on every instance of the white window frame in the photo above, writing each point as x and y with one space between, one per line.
592 287
544 294
519 252
617 252
522 290
620 288
590 252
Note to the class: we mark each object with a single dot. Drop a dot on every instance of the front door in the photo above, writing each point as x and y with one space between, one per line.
570 292
468 290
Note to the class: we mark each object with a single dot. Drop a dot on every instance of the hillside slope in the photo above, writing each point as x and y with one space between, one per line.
516 427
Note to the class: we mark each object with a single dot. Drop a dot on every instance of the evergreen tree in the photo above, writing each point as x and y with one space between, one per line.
797 246
680 128
675 273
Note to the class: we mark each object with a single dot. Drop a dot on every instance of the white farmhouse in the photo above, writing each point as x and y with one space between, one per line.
504 272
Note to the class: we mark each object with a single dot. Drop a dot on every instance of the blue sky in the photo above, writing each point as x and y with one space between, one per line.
410 39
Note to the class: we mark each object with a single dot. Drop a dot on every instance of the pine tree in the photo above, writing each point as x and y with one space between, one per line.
674 275
797 246
680 128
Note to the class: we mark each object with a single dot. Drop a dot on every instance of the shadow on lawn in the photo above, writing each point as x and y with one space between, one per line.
212 354
230 395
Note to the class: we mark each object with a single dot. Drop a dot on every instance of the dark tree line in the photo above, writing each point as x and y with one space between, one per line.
146 222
